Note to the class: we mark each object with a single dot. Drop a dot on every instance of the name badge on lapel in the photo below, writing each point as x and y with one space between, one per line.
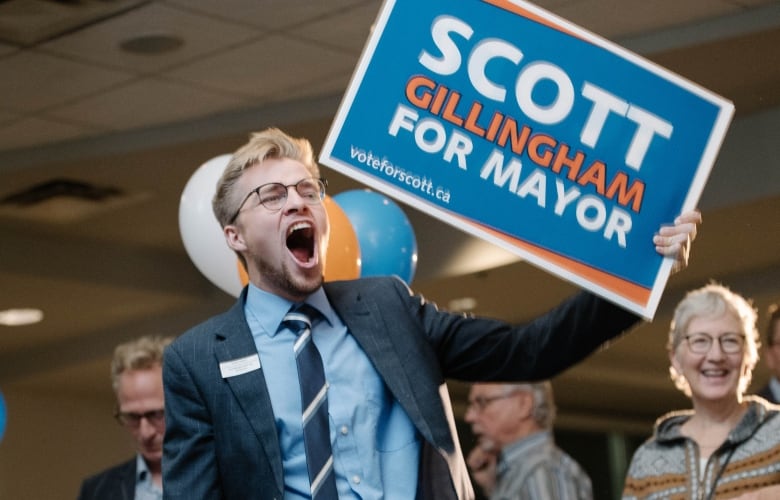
239 366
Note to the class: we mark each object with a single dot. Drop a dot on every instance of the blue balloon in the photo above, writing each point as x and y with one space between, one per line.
2 416
386 238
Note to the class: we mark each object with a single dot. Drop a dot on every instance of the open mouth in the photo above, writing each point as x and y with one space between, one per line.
300 241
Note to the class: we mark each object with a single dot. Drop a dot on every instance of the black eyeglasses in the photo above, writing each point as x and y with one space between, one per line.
701 343
132 419
274 194
481 402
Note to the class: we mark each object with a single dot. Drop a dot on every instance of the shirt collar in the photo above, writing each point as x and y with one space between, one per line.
144 486
269 309
141 470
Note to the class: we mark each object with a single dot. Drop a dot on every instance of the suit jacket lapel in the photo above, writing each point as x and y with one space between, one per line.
127 477
234 341
361 315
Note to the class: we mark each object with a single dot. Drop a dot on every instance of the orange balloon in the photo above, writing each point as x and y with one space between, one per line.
242 275
343 257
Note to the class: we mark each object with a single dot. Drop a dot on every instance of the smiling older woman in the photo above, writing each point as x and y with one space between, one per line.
728 446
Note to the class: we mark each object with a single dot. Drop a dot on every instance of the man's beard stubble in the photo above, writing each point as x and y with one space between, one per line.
282 278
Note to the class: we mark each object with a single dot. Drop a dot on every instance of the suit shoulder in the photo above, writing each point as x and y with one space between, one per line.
368 283
128 465
108 478
375 288
208 327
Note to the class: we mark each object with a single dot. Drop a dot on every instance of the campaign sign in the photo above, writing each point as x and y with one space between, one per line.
525 130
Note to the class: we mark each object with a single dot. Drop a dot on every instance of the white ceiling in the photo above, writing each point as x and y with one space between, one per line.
76 106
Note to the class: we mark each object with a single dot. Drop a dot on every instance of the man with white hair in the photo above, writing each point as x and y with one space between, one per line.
516 456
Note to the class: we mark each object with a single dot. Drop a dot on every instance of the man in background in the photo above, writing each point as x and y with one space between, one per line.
771 391
136 375
516 456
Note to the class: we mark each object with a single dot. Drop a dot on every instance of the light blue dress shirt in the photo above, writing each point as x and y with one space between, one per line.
145 489
376 448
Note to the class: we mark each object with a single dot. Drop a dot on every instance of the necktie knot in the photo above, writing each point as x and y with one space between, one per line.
300 318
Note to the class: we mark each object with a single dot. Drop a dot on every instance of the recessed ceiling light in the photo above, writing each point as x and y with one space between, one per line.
20 317
151 44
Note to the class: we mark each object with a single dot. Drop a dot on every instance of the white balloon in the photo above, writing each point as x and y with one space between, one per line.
201 233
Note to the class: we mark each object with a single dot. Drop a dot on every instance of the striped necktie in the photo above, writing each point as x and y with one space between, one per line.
314 401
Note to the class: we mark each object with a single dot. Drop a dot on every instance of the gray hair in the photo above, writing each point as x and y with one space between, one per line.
544 408
710 301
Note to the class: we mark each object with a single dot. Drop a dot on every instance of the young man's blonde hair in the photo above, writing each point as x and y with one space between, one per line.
270 143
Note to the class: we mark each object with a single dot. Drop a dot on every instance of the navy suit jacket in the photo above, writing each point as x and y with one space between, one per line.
116 483
221 439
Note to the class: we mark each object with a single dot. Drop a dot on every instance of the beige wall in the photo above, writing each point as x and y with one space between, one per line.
52 441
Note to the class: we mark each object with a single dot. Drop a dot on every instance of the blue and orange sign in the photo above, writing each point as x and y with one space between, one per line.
527 131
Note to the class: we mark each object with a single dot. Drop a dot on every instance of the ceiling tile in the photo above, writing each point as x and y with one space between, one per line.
354 28
35 131
753 61
29 22
608 18
325 86
33 81
147 102
272 14
201 35
259 69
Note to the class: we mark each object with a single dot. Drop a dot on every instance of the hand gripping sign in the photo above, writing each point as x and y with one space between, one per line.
525 130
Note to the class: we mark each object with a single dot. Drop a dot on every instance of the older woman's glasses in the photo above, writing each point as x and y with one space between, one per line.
273 195
701 343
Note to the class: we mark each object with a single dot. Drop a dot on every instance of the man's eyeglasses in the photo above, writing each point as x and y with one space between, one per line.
274 194
479 403
701 343
132 419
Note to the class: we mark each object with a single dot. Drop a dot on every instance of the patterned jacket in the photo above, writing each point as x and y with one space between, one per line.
667 465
